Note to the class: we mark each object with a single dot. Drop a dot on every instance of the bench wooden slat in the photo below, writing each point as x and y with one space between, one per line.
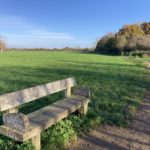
11 100
47 116
51 114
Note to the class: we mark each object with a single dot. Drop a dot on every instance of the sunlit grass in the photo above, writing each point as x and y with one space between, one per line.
113 80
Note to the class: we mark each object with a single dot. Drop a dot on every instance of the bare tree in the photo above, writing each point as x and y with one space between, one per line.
2 44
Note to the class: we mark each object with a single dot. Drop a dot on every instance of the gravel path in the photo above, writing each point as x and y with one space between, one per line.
135 137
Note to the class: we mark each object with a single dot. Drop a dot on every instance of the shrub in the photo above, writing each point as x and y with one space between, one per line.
12 145
59 135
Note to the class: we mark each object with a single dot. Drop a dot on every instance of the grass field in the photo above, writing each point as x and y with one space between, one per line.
118 85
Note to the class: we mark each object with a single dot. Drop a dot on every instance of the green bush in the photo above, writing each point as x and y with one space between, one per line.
59 135
13 145
138 54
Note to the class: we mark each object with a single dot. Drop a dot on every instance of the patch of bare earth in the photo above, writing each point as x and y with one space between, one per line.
135 137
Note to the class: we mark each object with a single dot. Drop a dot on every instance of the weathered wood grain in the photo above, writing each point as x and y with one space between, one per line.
11 100
83 109
36 141
82 92
52 114
18 135
16 121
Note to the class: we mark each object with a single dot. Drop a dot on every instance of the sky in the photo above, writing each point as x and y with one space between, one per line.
62 23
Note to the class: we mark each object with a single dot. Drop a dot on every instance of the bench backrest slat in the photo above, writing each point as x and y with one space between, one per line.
11 100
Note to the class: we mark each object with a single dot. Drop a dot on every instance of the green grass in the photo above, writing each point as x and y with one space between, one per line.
117 84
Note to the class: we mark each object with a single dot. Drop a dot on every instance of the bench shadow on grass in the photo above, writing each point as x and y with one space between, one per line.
30 76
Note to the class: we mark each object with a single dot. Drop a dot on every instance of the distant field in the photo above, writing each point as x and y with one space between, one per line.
116 83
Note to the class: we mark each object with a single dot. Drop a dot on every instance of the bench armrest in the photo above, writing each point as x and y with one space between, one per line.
82 92
17 121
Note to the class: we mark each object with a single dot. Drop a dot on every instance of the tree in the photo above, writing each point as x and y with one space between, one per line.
146 27
143 43
103 44
128 40
2 44
130 46
111 44
130 31
120 43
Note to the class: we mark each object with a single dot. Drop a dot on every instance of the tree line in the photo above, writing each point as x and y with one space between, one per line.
131 39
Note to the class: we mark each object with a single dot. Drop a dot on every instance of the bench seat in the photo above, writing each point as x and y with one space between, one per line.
47 116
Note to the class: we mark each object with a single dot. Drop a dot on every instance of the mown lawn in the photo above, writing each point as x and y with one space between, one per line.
117 84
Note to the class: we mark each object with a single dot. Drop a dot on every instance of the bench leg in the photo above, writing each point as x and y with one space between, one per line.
83 109
36 141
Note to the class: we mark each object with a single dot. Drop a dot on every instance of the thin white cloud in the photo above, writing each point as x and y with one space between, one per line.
14 22
43 36
19 31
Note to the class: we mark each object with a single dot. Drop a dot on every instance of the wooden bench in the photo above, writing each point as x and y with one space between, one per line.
22 127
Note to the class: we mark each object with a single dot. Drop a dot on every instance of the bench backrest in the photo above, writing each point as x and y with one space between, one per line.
14 99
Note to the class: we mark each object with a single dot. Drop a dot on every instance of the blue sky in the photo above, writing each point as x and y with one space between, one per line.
61 23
